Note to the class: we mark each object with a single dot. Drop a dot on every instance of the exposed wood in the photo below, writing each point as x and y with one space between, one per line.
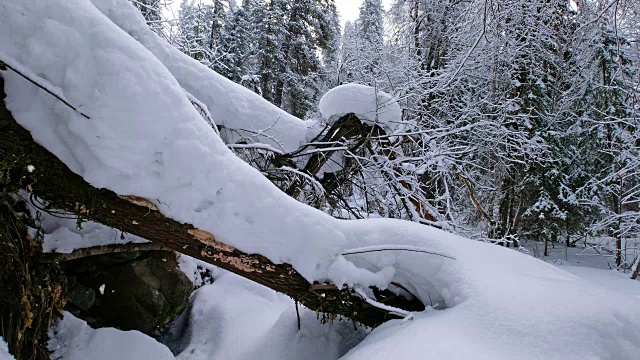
53 182
348 127
475 202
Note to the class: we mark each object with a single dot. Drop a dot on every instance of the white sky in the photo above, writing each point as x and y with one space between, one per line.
349 9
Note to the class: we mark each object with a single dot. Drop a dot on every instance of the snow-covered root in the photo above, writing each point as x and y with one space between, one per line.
369 104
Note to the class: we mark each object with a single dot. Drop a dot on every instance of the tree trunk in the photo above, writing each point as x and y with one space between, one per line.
546 245
618 251
54 183
636 272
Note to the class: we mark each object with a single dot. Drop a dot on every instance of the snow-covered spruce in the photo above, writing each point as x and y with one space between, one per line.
369 104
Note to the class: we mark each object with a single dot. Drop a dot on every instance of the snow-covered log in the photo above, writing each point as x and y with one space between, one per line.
62 189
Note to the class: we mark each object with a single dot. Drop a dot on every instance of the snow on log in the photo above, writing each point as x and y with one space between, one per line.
369 104
54 183
242 113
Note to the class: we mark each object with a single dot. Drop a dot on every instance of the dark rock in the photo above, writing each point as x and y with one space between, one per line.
133 291
80 296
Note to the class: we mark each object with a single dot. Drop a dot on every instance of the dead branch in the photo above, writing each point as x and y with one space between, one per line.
101 250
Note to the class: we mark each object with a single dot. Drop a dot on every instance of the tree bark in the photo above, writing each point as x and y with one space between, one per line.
53 182
636 272
101 250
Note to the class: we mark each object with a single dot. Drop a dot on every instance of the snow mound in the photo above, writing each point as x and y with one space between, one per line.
488 293
367 103
4 351
72 339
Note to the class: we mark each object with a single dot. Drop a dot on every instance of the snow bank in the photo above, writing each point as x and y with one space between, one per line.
491 293
244 114
220 314
72 339
367 103
4 351
144 138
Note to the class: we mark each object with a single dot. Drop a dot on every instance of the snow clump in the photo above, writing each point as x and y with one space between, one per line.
369 104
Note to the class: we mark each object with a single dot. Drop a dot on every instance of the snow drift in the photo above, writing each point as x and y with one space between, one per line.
144 138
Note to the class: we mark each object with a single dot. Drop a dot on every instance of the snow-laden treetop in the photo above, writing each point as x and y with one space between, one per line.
369 104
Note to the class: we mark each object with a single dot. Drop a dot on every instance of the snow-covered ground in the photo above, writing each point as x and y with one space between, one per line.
611 280
594 252
144 138
72 339
4 351
234 311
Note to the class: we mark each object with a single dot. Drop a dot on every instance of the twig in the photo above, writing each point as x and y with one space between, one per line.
636 272
260 146
298 314
370 249
381 306
3 65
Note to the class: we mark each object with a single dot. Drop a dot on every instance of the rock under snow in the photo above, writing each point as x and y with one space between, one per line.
132 290
367 103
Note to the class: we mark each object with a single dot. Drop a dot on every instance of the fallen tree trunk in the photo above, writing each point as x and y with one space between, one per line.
53 182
